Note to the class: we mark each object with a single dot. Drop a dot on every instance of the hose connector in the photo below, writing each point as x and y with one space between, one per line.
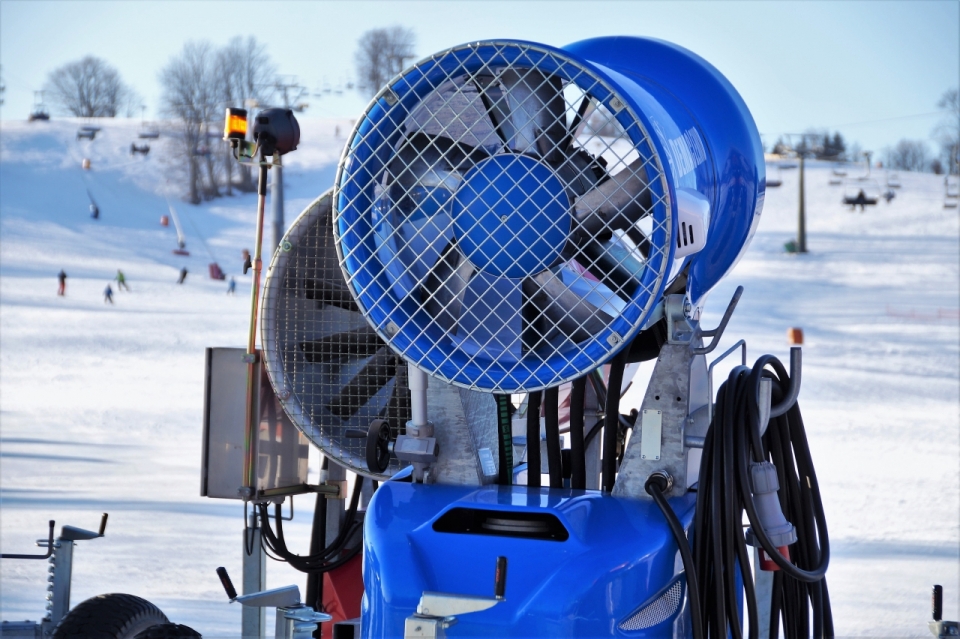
661 479
764 485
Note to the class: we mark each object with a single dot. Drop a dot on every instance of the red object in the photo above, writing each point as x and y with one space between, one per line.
769 564
216 273
795 336
164 220
342 590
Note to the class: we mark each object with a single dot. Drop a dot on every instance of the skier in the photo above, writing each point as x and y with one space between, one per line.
62 278
183 275
121 281
108 295
232 287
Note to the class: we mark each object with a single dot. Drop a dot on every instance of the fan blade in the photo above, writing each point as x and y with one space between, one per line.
617 203
443 288
327 285
331 293
528 112
338 347
614 264
574 316
376 374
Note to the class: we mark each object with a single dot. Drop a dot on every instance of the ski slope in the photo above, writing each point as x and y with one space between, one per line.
101 405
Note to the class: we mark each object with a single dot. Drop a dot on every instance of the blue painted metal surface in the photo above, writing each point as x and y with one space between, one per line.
707 132
618 556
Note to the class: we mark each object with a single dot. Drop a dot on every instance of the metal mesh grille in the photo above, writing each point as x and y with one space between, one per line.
657 611
332 372
502 217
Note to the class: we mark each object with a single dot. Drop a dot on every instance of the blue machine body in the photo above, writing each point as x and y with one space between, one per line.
617 557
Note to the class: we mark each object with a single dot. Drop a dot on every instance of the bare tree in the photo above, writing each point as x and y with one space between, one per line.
908 155
948 131
190 99
89 88
243 74
381 54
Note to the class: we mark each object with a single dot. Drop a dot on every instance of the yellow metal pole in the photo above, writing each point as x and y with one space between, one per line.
252 419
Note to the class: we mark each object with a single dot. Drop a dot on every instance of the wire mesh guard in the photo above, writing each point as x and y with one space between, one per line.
657 611
331 371
502 217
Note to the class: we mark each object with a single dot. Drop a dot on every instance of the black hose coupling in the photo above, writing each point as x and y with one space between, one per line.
661 479
764 484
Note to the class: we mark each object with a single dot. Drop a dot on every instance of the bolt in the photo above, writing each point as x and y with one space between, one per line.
503 218
286 246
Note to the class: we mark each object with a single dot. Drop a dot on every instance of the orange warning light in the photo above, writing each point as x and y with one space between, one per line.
235 124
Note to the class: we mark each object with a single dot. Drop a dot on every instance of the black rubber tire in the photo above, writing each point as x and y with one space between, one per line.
112 616
378 451
168 631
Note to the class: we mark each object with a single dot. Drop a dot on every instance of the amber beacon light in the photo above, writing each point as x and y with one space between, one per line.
235 124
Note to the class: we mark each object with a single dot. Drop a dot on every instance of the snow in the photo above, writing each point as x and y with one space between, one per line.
101 406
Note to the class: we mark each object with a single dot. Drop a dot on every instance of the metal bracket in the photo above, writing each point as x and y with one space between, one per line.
717 333
796 362
679 329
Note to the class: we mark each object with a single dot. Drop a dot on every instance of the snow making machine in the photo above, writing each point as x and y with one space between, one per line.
512 229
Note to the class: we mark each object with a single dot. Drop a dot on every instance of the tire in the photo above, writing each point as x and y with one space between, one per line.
113 616
168 631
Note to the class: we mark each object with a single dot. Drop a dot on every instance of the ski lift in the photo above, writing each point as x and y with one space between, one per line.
952 187
215 272
889 194
141 150
951 194
862 193
39 112
773 182
838 174
893 180
181 238
87 132
94 209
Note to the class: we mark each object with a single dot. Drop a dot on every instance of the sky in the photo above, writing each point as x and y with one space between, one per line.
872 69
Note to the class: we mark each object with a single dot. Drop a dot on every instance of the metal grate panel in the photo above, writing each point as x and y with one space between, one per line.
657 611
502 218
330 370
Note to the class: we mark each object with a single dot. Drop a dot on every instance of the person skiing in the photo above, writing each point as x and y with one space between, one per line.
108 295
183 275
232 287
121 281
62 278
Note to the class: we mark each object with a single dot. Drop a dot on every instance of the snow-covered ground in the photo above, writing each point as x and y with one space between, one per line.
100 405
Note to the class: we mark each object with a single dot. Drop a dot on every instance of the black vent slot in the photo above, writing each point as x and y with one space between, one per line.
497 523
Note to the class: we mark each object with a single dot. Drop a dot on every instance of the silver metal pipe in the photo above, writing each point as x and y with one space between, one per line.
418 382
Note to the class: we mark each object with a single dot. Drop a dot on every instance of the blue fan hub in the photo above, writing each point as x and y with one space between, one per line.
511 216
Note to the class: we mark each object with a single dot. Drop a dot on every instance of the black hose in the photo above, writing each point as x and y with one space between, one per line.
732 444
611 420
551 420
504 440
533 439
655 485
578 450
318 540
331 557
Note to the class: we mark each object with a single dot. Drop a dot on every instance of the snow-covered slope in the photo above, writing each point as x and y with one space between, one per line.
100 405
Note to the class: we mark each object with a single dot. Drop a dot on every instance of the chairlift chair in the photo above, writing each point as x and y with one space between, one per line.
773 182
893 180
861 193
